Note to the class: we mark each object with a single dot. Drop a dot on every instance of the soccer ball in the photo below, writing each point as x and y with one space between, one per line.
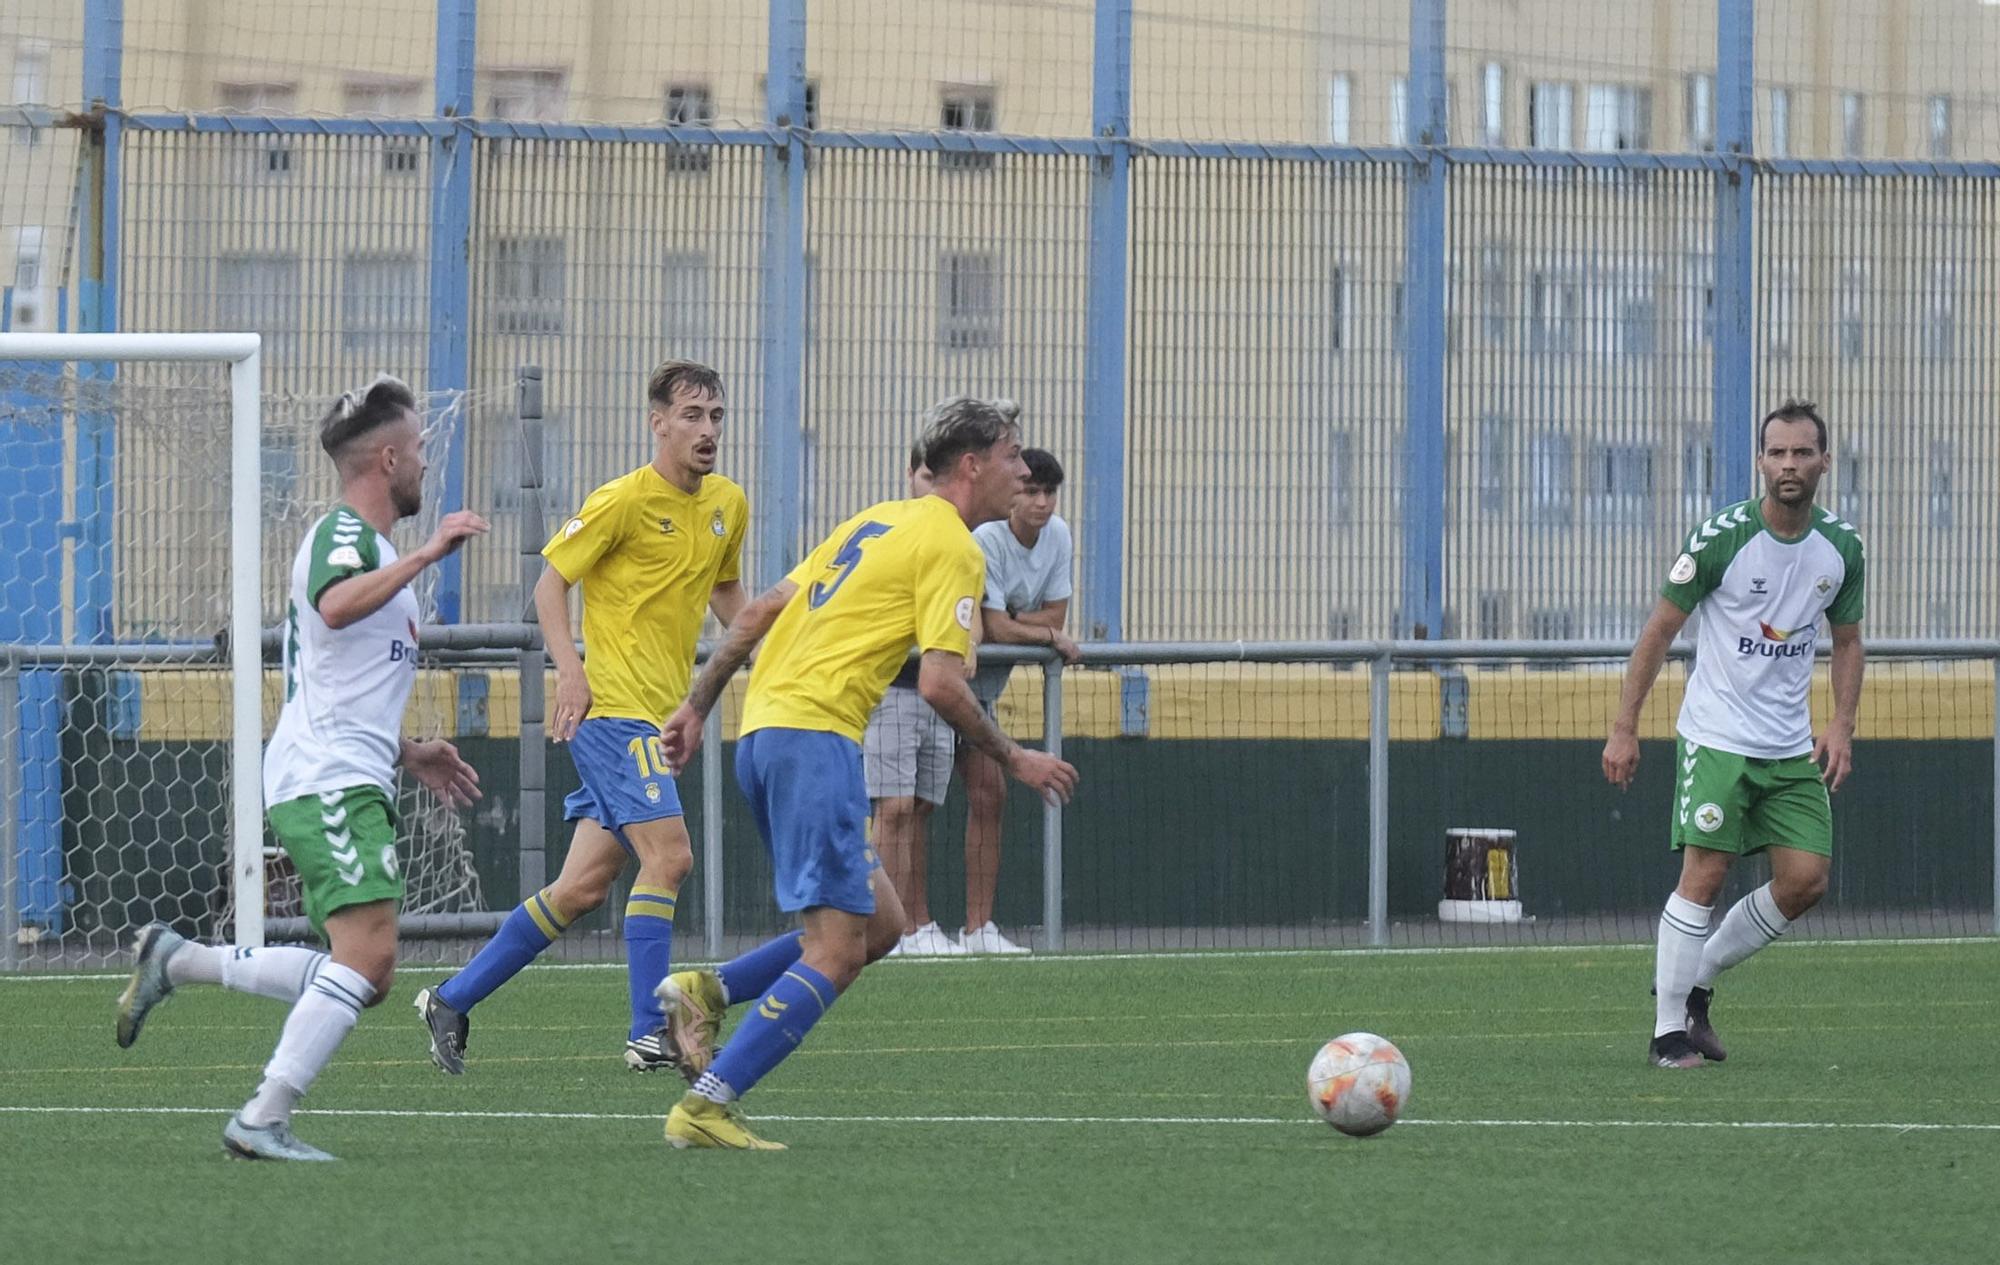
1358 1083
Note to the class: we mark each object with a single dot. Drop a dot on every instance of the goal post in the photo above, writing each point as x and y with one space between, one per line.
243 355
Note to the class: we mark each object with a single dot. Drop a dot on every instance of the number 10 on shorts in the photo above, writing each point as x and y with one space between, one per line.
650 754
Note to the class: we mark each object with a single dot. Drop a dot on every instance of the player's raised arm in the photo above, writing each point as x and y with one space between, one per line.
681 735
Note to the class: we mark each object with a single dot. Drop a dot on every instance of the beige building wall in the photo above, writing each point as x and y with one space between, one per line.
1265 365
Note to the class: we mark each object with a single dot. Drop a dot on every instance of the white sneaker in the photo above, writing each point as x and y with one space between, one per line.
988 940
930 941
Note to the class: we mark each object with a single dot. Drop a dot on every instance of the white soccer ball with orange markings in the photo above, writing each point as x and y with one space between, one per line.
1359 1083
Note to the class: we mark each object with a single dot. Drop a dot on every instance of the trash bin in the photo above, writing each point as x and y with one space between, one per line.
1481 881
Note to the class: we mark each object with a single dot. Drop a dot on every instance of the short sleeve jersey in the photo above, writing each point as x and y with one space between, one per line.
1020 578
898 574
648 556
1759 598
345 688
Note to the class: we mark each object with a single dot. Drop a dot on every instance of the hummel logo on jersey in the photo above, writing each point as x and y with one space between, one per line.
1757 585
666 527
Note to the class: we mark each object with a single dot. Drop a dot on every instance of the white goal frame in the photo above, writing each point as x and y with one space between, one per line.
243 353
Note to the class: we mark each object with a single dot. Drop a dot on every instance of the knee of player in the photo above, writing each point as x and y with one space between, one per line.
575 897
1799 893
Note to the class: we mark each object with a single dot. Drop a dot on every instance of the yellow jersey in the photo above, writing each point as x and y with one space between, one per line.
648 556
898 574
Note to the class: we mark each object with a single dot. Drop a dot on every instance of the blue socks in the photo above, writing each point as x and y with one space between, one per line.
649 944
534 926
748 976
772 1029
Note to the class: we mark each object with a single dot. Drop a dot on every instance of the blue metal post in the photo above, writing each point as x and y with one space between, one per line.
1735 247
1420 613
784 335
448 364
1103 596
97 303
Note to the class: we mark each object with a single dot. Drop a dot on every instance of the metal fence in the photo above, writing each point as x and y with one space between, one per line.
1435 319
1249 795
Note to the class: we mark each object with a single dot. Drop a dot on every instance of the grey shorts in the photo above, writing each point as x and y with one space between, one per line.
907 749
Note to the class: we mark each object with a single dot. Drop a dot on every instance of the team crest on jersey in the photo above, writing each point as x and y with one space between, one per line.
1708 818
1823 585
715 524
653 792
666 527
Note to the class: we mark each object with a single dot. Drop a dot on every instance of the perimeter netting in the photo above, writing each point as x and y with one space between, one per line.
114 563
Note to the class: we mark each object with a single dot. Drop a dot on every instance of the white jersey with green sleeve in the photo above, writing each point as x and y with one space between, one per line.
1757 598
345 688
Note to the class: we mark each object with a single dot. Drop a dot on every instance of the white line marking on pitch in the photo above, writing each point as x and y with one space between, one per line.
390 1113
1172 955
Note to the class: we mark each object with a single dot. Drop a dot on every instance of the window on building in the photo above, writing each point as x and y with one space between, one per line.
1554 304
1399 111
1697 477
1853 124
271 155
688 321
381 303
1943 495
1340 110
1496 293
389 98
1618 118
259 293
525 284
1937 111
1850 483
1492 104
1781 313
31 73
1496 616
1700 90
689 105
31 309
527 94
1551 623
1618 479
1940 329
1698 300
1851 320
383 98
1629 313
1495 463
1336 309
1551 476
1340 476
967 108
968 299
1781 122
1551 115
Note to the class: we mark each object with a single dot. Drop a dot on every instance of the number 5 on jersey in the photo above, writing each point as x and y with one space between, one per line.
843 564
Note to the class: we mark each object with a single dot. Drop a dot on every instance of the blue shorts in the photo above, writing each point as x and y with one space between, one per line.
624 779
811 803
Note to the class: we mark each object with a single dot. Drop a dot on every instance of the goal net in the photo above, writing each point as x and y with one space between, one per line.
131 714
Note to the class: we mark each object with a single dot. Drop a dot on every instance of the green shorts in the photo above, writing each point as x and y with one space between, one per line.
343 844
1743 804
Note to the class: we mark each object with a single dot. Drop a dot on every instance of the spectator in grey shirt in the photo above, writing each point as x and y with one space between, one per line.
1028 559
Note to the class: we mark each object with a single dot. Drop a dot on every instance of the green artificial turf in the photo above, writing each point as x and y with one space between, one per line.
1070 1109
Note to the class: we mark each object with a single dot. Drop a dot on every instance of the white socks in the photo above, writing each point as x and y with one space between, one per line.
1750 924
281 974
1683 936
319 1022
